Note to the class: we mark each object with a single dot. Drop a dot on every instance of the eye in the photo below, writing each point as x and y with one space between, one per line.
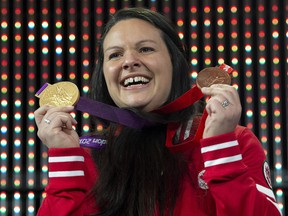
114 55
146 49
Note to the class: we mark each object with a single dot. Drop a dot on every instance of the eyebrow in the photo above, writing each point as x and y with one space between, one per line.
138 43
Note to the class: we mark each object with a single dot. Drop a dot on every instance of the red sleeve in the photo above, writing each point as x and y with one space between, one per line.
234 165
71 175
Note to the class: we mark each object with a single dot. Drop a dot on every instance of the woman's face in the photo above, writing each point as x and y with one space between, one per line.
137 65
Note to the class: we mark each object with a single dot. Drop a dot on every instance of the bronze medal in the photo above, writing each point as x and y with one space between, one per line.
59 94
212 75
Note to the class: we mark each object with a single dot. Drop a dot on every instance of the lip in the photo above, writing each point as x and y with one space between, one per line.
136 87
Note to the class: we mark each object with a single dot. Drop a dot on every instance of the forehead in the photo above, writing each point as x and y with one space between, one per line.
133 29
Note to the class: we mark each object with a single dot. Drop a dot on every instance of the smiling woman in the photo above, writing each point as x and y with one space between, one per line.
142 66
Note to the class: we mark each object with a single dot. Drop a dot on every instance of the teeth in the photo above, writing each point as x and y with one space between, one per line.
137 79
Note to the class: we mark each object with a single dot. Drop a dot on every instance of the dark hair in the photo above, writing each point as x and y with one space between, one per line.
137 173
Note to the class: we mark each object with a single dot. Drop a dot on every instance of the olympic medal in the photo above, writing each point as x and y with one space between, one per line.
212 75
59 94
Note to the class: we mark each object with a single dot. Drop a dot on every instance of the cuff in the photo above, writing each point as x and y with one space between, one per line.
66 168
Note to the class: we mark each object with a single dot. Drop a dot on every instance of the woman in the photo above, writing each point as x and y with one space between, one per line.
142 67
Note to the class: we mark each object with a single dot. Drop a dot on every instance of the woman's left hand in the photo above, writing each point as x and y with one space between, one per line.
223 108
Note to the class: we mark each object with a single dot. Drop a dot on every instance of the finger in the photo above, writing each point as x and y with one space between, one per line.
59 119
52 120
54 110
220 102
67 121
214 105
222 92
58 122
216 89
40 113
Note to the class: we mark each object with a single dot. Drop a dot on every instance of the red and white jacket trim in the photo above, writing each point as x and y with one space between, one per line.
229 153
65 159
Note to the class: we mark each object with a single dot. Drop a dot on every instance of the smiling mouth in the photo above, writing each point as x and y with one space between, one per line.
138 80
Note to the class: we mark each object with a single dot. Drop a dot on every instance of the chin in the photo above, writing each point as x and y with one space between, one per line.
141 107
144 107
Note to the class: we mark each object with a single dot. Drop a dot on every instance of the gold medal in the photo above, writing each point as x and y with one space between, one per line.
59 94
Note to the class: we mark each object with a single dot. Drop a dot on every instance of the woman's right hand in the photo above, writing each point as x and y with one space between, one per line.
55 126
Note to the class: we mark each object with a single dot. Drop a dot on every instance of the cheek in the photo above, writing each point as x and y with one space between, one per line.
168 86
165 83
109 83
168 76
169 82
111 79
110 75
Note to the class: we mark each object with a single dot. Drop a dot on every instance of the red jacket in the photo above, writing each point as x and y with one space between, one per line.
231 170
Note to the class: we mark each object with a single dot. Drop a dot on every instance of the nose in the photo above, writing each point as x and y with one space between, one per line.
131 61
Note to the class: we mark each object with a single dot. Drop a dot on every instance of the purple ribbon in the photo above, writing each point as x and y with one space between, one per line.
41 89
94 141
111 113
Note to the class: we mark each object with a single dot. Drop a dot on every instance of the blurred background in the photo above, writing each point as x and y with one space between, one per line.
51 41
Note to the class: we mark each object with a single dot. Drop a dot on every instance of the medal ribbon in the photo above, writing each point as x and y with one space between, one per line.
184 101
111 113
95 141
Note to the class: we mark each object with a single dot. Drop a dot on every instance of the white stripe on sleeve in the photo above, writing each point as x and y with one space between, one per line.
219 146
72 173
223 160
66 159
